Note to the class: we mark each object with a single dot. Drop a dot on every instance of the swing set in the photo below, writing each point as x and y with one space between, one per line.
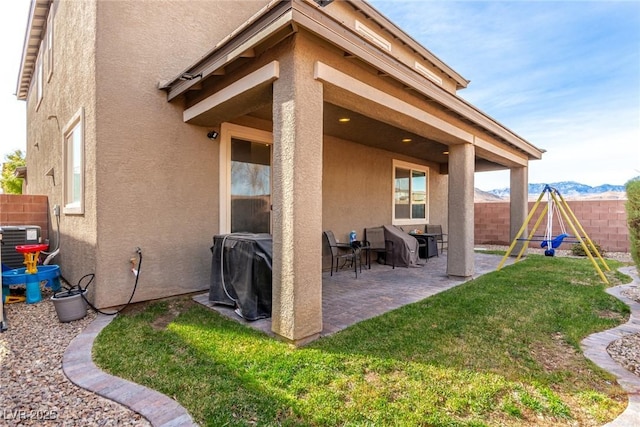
556 205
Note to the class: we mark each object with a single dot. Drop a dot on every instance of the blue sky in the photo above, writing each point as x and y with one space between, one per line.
563 75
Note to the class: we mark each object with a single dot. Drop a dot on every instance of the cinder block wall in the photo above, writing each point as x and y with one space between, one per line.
21 209
605 221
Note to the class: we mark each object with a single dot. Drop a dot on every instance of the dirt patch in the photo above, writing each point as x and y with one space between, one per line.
556 355
131 309
608 314
163 321
175 306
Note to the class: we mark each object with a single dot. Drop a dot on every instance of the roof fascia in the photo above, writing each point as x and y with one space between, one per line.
301 13
373 14
335 33
24 75
268 20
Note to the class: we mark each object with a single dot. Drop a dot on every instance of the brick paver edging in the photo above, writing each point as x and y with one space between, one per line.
595 348
78 366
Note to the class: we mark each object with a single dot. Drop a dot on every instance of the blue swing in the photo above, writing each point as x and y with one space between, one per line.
551 244
555 242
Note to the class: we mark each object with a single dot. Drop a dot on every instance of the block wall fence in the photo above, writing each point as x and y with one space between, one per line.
604 221
20 209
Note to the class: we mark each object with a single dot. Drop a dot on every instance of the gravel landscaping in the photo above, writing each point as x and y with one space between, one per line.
626 350
33 388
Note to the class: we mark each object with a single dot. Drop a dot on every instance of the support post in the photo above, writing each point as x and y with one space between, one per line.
297 198
518 203
460 258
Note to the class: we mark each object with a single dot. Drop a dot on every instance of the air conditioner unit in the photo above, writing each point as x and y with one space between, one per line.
15 235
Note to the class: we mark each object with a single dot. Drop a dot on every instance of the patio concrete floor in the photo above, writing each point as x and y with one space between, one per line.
347 300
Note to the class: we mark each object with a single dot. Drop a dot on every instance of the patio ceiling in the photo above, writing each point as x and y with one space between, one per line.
374 133
367 131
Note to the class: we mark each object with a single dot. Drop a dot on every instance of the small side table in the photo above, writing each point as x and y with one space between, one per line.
430 247
361 246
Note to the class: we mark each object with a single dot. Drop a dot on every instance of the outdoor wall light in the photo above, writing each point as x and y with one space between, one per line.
344 119
212 135
189 76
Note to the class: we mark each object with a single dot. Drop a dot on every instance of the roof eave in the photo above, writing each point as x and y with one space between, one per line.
37 9
409 41
271 21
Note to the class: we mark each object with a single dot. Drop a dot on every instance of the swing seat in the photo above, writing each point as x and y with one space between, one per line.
555 242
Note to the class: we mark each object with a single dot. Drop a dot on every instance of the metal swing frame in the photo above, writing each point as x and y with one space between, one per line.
555 200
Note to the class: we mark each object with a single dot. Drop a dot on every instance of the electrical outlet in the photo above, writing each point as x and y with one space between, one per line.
56 210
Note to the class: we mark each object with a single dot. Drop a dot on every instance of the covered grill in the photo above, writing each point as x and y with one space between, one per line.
241 273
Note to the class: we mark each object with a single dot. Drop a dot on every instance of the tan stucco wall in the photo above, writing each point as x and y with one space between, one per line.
358 188
70 88
150 180
157 177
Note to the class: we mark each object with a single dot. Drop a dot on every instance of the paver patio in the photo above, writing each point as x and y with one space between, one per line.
347 300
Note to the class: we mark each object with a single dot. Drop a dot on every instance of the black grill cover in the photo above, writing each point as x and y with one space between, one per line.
246 262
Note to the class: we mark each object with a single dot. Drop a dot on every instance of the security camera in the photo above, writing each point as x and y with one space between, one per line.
212 134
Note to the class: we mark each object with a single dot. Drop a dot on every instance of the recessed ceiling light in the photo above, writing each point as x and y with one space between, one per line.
445 152
344 119
406 140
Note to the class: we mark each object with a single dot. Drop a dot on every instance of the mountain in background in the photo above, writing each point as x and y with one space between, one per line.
568 189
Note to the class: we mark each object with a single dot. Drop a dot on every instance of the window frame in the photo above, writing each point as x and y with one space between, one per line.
411 167
228 131
49 45
39 77
72 206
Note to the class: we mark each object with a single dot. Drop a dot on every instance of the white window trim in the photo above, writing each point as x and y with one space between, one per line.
39 77
410 166
49 45
227 132
76 122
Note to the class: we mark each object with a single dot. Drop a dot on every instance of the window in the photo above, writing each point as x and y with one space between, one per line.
39 77
245 179
49 45
410 198
74 164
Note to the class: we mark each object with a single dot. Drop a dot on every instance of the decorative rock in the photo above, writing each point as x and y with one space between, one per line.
33 386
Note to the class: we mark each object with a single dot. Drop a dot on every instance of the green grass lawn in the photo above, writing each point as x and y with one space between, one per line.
500 350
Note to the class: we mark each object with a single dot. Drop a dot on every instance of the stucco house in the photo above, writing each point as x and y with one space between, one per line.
137 110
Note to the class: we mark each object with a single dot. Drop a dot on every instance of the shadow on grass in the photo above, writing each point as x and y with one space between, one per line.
475 355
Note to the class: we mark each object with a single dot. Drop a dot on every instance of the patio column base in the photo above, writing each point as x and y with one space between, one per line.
299 342
456 277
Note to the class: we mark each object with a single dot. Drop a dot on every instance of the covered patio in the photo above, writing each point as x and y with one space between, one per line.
347 300
352 124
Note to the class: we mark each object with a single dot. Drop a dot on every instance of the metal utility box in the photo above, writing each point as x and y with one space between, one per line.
14 235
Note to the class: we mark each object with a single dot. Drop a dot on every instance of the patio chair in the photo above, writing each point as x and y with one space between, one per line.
341 251
377 243
441 238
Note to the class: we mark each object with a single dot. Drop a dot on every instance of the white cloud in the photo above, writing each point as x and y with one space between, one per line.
563 75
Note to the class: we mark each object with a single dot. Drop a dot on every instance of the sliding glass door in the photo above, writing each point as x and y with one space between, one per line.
250 195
